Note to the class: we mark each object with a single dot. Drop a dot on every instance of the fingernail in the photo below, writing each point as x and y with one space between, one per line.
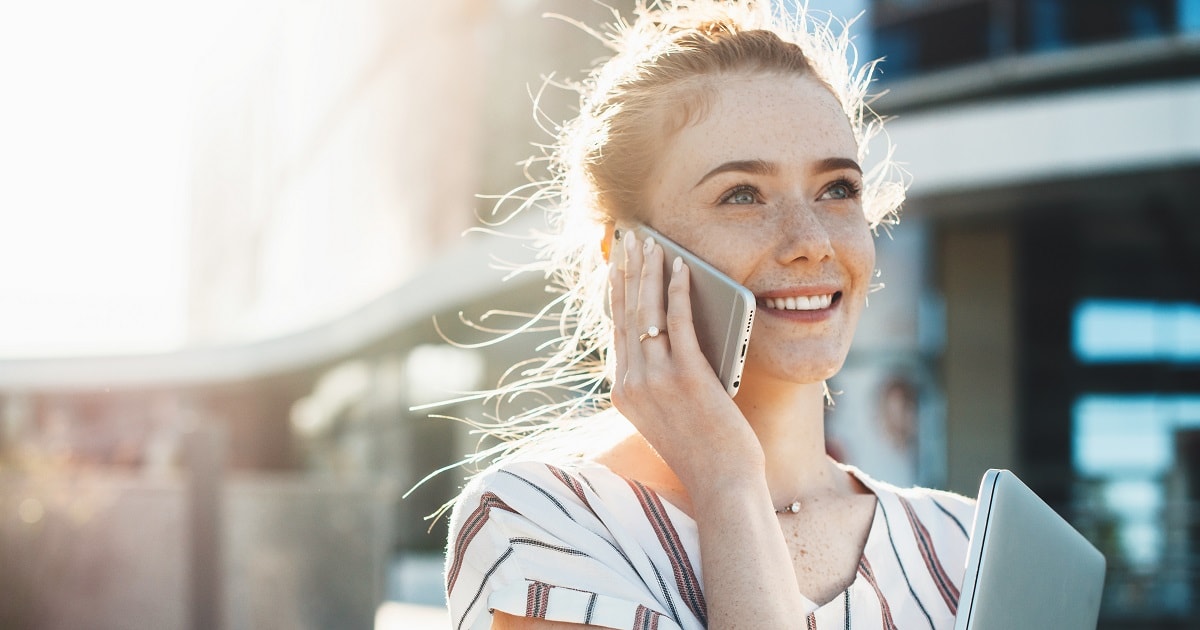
677 265
630 241
649 246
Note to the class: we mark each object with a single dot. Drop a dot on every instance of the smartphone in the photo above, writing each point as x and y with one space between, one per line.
722 309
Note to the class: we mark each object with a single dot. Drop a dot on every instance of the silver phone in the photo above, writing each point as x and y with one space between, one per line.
722 309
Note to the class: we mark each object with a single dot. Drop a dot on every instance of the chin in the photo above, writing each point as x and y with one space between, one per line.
815 370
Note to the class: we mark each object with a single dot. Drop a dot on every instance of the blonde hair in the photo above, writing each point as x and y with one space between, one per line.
656 80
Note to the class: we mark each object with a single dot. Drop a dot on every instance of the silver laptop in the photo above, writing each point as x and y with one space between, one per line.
1026 566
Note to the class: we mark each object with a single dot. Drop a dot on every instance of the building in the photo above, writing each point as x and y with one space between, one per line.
1054 147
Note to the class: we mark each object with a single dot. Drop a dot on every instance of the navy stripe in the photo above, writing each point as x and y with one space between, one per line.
685 579
952 517
662 587
486 576
612 544
537 543
888 522
542 491
560 506
590 609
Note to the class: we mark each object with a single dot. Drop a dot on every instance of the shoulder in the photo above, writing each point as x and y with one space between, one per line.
546 540
554 504
945 513
953 513
525 487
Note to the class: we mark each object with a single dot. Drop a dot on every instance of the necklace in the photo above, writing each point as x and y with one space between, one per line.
793 508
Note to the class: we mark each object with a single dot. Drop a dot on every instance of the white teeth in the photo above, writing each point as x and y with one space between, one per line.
800 303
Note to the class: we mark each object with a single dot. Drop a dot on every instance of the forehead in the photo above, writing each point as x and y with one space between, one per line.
788 120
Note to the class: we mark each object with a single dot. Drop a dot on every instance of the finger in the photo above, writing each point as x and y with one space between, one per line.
680 325
632 279
651 310
616 300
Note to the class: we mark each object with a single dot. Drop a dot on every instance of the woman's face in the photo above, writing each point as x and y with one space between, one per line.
766 188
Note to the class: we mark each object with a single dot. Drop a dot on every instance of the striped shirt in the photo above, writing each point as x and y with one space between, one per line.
582 544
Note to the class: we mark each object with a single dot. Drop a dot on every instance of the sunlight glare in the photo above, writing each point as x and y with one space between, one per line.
93 174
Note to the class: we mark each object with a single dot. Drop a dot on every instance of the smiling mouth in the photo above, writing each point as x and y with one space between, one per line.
802 302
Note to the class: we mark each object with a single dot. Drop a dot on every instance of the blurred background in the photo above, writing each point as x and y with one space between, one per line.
227 229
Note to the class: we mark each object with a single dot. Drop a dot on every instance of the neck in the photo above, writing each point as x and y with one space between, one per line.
789 420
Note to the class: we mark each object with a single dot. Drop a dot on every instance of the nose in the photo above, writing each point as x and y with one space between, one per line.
802 236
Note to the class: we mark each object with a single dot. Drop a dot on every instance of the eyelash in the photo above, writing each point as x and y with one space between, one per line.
739 189
853 190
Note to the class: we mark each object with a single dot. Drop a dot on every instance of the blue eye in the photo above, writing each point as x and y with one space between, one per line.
742 195
842 189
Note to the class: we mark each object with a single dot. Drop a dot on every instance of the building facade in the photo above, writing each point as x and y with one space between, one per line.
1054 147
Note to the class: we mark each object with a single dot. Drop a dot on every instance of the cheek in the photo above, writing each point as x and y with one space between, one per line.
858 250
869 251
715 245
736 253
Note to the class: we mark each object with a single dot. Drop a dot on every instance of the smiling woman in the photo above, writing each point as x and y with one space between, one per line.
791 227
738 131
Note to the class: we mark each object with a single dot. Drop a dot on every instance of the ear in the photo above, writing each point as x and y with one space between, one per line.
607 242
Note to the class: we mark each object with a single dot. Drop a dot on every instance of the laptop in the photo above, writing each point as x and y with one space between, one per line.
1026 566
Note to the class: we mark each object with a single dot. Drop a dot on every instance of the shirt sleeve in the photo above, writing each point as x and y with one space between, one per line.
526 542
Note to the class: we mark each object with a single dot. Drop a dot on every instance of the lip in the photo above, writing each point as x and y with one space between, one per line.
811 316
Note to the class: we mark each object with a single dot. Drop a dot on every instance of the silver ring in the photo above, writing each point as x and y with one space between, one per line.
650 333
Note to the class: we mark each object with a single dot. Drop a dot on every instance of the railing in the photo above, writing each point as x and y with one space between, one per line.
922 37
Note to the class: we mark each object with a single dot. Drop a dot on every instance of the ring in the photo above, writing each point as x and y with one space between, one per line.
650 333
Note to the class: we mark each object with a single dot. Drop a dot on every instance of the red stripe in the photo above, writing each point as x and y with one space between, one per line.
668 537
645 619
472 526
537 600
571 483
811 621
946 586
864 568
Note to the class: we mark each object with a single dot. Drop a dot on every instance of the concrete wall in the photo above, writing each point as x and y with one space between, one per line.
978 364
112 551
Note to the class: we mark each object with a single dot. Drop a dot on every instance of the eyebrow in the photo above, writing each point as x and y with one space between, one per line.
760 167
836 164
754 167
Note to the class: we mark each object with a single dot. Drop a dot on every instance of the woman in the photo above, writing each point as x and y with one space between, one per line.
736 133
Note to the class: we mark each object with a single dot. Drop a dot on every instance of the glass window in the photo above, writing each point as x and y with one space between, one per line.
1136 331
1125 451
1189 16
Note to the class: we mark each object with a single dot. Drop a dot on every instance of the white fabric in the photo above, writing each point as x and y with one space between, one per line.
581 544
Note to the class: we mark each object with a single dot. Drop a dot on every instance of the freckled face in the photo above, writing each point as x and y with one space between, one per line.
765 187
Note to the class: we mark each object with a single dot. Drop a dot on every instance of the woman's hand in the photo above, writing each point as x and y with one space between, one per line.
664 385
